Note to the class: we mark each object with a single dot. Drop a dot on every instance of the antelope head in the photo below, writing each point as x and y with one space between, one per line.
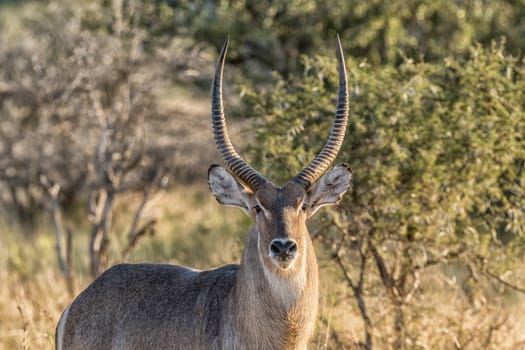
280 213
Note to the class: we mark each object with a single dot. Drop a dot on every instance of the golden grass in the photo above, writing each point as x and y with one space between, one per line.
32 292
194 230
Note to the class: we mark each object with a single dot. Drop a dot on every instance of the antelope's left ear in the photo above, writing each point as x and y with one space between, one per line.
329 189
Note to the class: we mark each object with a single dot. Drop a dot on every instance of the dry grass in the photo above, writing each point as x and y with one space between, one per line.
33 293
194 230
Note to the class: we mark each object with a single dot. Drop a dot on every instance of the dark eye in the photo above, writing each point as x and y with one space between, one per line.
305 207
257 209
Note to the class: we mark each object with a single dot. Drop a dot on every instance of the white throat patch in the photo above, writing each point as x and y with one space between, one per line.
286 289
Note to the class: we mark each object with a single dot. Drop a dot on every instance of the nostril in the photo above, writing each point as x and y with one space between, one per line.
292 248
276 247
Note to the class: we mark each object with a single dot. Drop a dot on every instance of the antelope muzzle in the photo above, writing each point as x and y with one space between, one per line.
283 251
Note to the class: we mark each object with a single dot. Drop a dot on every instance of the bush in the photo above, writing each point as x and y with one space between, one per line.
438 153
272 34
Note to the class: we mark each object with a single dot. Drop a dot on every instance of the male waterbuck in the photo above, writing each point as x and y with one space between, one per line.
269 301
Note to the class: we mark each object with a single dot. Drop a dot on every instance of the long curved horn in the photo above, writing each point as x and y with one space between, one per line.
235 163
322 161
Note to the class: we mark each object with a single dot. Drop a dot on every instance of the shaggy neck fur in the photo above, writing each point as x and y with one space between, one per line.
275 311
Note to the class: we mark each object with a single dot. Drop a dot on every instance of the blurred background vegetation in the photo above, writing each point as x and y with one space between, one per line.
105 142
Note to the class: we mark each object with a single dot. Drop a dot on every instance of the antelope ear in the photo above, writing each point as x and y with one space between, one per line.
329 189
227 190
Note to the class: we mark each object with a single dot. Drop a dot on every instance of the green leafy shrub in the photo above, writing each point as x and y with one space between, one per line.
438 152
274 33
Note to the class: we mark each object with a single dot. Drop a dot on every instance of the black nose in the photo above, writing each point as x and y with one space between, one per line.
284 249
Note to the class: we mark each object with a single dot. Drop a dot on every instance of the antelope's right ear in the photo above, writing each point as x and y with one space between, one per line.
227 190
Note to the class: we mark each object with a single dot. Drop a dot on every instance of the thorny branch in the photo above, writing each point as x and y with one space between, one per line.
357 287
502 281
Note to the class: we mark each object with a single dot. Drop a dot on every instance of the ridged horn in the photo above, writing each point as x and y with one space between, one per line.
327 155
249 176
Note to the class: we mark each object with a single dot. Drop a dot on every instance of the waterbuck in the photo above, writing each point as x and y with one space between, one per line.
269 301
